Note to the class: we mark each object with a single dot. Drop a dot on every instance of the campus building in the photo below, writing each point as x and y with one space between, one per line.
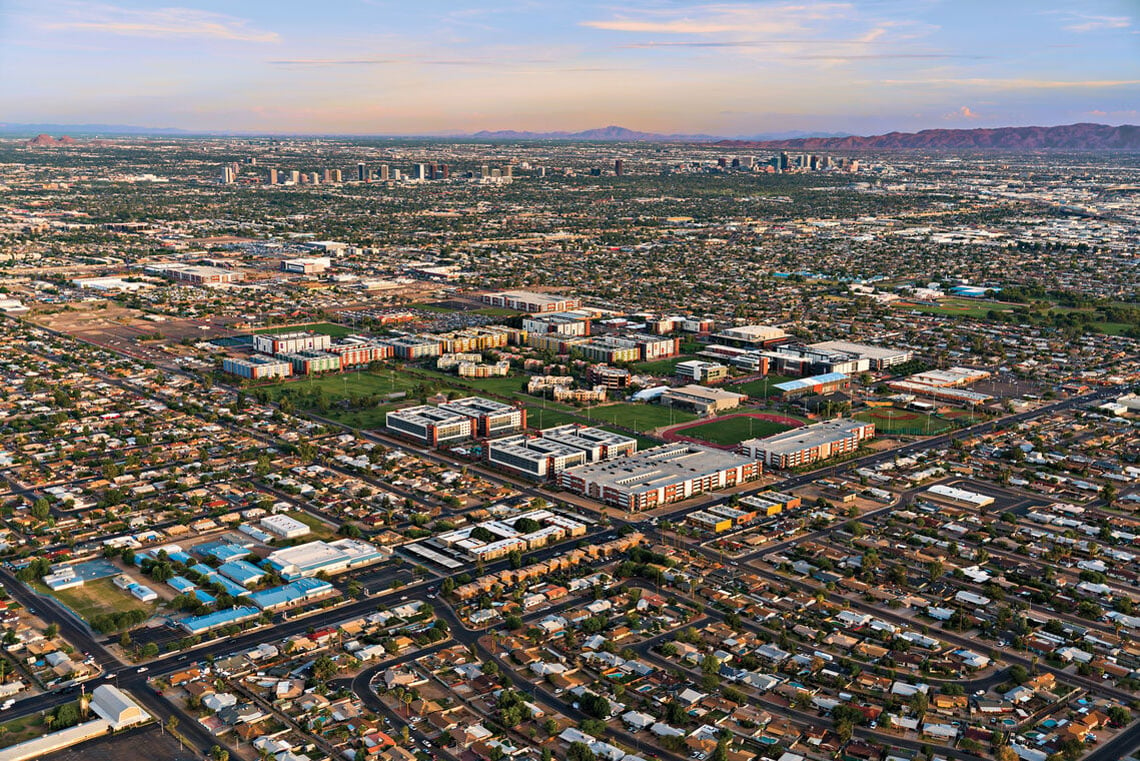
702 400
311 266
357 351
809 444
559 323
307 560
257 367
797 359
430 425
195 274
880 358
312 362
660 476
290 343
816 384
554 450
534 456
414 347
701 372
534 303
488 417
610 377
753 336
748 360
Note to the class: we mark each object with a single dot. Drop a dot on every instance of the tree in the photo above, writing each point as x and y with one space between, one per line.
219 754
580 751
51 630
1005 753
172 724
1018 674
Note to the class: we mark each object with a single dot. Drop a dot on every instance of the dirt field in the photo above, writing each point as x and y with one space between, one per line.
128 331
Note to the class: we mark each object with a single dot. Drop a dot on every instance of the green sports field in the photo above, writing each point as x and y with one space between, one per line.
734 430
328 328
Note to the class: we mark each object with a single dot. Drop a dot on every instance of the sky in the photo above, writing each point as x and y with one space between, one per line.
671 66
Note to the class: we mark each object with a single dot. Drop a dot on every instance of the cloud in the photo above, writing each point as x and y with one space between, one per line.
963 113
159 23
724 19
1016 84
334 62
1083 23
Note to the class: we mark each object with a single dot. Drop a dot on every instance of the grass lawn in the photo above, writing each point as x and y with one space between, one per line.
639 417
537 417
344 385
661 367
762 388
894 420
321 530
97 597
328 328
19 730
734 430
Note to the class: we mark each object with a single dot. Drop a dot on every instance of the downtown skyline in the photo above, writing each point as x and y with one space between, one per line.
671 67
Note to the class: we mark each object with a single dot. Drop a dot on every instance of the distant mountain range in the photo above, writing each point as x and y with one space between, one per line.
1073 137
1076 137
609 134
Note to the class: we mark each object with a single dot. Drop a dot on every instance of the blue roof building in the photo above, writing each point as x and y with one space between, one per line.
182 585
223 551
290 594
242 571
201 624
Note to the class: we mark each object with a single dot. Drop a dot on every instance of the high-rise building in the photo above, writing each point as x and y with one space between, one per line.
509 172
618 167
337 176
295 176
384 173
420 172
484 171
431 170
361 172
273 177
315 179
227 174
326 175
444 171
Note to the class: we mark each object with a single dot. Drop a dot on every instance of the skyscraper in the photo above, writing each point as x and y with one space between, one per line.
383 173
272 176
361 172
618 167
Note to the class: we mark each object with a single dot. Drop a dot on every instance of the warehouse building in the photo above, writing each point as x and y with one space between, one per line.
290 343
660 476
880 358
284 526
534 303
701 399
488 417
257 367
701 372
307 560
809 444
431 425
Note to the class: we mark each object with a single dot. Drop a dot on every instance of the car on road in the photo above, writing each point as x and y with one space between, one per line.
7 704
141 669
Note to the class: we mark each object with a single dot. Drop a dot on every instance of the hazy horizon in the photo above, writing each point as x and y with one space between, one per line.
373 67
